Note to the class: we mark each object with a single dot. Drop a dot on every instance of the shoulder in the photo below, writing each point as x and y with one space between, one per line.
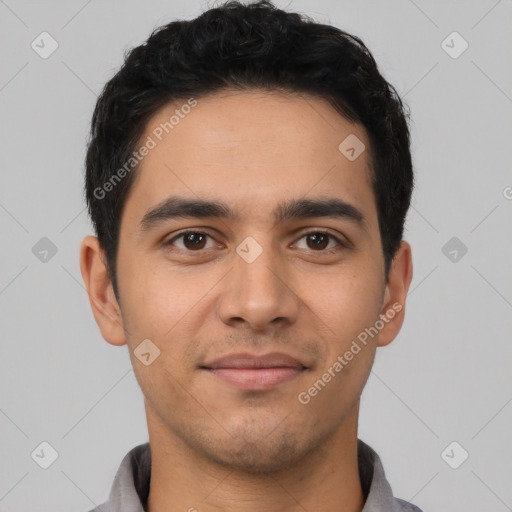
378 493
405 506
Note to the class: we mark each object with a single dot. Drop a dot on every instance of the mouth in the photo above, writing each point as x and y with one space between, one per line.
255 373
255 379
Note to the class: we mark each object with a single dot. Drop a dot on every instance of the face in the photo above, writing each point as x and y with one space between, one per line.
303 281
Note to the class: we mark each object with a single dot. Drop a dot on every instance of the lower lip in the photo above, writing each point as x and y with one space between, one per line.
256 379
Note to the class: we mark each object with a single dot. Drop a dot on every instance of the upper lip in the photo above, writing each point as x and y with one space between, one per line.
245 360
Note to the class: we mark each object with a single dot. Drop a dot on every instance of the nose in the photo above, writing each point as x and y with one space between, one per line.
259 294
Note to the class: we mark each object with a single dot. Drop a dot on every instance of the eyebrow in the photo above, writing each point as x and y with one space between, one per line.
183 208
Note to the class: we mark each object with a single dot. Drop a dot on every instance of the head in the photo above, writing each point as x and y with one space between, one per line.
244 117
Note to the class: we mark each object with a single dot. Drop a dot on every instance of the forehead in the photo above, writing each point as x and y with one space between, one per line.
250 148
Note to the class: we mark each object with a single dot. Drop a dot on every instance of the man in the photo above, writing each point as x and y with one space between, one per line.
248 177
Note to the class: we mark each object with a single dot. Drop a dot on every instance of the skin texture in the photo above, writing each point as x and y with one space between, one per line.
214 446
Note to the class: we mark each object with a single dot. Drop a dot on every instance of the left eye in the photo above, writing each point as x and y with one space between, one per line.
320 240
194 241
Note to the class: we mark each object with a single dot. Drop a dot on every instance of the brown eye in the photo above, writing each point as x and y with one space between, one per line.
191 240
320 240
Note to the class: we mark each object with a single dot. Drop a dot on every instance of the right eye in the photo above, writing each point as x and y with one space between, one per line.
193 241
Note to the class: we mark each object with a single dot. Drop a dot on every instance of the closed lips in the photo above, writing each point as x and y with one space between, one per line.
249 361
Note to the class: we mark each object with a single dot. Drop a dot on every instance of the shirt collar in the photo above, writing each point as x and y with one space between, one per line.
130 488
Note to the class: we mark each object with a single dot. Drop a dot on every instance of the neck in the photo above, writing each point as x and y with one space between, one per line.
183 480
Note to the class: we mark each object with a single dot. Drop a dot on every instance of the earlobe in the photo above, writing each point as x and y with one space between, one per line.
102 299
395 294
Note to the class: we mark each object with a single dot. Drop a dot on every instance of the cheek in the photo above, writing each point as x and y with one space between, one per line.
168 308
346 301
336 388
154 301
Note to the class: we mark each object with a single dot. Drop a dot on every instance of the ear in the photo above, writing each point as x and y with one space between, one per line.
395 294
105 308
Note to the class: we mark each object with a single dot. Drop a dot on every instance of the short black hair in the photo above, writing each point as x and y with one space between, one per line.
246 47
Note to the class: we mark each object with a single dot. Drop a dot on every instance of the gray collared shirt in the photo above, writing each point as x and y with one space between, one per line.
130 489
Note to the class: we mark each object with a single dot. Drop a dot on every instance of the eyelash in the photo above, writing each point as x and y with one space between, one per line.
311 232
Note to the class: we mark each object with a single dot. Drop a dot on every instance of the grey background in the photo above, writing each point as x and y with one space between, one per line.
447 375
